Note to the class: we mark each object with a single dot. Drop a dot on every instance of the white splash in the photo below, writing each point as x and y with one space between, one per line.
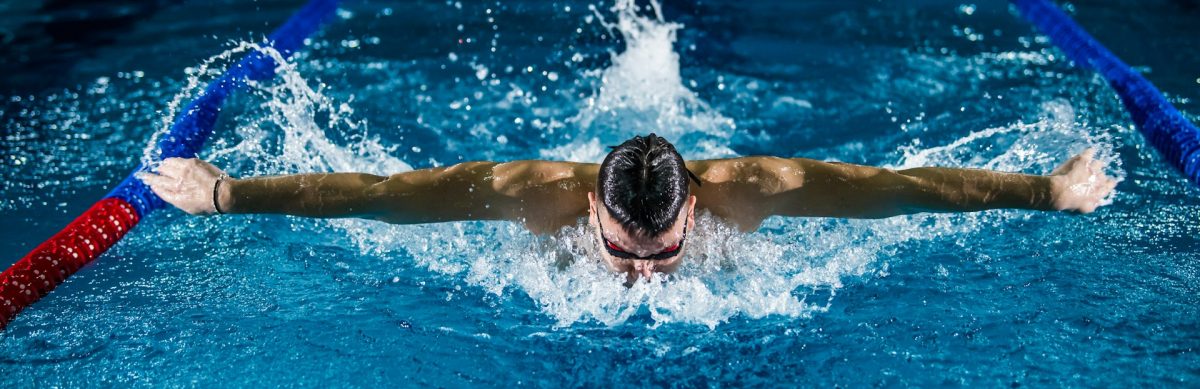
289 111
1034 148
643 92
197 79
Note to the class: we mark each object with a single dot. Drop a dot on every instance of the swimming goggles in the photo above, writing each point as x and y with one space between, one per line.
618 252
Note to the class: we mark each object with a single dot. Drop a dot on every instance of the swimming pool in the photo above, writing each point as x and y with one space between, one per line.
995 298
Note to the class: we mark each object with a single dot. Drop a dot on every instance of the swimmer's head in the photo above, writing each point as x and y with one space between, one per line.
642 207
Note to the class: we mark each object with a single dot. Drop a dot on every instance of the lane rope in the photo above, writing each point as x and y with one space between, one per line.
108 220
1160 122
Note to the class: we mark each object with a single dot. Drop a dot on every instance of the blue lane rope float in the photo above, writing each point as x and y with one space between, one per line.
108 220
193 127
1160 122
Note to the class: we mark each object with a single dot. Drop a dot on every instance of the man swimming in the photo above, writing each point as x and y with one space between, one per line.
641 199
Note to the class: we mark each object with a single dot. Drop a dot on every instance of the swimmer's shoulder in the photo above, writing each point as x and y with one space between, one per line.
529 174
761 172
551 194
736 189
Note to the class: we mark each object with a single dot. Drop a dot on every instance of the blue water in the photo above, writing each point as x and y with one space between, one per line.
998 298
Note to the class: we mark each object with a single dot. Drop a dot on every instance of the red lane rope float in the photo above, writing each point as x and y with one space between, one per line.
106 222
90 234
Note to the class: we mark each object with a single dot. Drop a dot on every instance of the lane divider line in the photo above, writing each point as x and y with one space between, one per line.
111 218
1175 137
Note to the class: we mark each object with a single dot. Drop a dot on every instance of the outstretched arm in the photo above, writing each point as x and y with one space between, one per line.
764 186
535 192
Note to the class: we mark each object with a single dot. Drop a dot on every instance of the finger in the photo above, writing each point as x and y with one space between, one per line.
172 167
1073 160
1068 165
1093 168
174 162
167 195
155 180
1109 186
1088 153
1065 166
162 191
204 165
168 192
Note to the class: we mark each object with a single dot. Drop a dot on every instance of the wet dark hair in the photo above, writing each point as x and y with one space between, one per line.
644 184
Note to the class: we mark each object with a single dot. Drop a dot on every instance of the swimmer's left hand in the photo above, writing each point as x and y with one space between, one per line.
1079 185
187 184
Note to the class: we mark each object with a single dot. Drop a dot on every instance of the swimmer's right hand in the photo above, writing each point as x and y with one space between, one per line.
188 185
1080 185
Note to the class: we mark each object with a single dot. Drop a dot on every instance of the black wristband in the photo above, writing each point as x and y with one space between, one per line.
217 186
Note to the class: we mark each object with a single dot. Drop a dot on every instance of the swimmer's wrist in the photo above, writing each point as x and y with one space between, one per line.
1056 185
225 195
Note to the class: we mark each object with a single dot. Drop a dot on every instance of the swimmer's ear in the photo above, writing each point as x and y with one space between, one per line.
592 207
691 212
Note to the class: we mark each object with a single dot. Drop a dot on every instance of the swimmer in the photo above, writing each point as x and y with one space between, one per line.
641 199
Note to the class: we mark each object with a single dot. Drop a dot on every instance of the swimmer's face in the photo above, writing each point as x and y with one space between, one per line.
639 246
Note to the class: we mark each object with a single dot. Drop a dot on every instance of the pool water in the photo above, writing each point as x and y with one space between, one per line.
997 298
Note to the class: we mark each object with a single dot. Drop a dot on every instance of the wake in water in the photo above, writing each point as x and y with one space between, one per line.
287 121
792 267
643 92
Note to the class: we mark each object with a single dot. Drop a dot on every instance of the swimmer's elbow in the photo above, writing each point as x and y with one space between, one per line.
388 199
888 193
457 192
